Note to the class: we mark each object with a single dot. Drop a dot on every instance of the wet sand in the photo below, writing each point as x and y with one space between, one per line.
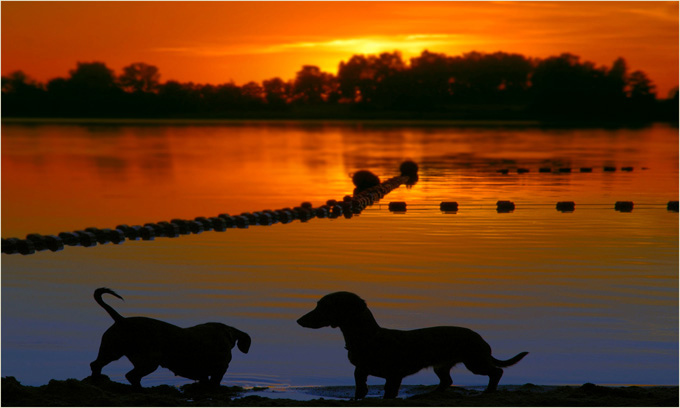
104 392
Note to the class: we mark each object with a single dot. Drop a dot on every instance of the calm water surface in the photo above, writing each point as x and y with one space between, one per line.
592 295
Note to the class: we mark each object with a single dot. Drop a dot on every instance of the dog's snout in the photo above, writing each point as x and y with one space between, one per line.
311 320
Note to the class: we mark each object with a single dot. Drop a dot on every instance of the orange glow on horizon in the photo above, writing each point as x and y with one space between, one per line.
218 42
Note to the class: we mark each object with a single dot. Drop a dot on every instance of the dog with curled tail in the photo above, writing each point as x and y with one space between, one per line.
395 354
201 353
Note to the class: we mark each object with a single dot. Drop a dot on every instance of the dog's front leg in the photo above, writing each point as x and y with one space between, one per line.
392 387
360 379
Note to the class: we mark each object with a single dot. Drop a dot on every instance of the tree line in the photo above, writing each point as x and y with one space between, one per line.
432 85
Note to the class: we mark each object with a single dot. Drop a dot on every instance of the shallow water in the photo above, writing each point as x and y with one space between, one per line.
592 294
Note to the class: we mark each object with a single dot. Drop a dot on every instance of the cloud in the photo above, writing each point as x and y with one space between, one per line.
409 44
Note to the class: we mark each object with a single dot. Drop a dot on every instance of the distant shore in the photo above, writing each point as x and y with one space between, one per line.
104 392
401 121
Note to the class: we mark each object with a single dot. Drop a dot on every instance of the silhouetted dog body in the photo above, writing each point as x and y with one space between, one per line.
200 353
395 354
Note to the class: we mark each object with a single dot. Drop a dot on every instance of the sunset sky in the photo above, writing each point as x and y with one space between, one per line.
218 42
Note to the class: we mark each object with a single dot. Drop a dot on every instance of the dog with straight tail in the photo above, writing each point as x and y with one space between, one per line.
201 353
395 354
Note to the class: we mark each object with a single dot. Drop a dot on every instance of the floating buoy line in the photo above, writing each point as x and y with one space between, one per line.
369 191
90 237
505 206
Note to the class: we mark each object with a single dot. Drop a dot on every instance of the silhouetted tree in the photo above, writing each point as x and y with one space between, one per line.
21 94
140 77
565 86
431 79
640 87
92 77
276 92
369 79
472 85
253 95
312 86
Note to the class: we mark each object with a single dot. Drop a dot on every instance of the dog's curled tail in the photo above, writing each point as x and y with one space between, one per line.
98 298
512 361
242 340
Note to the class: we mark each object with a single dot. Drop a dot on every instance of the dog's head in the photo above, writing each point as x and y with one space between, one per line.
333 310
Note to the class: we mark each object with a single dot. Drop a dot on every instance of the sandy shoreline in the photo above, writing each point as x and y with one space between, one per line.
104 392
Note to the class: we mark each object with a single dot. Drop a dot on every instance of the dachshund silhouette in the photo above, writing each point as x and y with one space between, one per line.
201 353
395 354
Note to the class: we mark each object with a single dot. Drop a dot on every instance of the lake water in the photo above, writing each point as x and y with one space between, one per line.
591 294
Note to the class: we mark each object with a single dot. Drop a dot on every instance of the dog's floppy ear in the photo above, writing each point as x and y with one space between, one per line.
242 341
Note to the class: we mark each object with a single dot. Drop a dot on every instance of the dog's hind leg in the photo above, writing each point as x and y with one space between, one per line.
141 369
108 352
360 379
444 374
392 387
486 368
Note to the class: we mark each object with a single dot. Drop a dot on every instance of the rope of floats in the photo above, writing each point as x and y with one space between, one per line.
369 190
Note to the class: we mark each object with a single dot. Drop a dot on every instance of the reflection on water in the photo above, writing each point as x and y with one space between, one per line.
592 294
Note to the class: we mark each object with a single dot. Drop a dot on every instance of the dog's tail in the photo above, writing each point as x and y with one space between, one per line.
508 363
242 339
98 298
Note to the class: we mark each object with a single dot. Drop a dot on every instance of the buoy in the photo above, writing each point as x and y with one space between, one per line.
284 216
272 215
522 171
218 224
145 233
503 206
565 206
128 232
98 234
9 246
241 222
228 220
25 247
408 168
55 243
169 230
544 170
586 169
195 227
321 212
86 239
609 168
672 206
629 168
206 223
397 206
263 218
624 206
364 179
336 210
69 238
290 211
503 171
565 170
250 217
116 236
448 206
183 225
37 240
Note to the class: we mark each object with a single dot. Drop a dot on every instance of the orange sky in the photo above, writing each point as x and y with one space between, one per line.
217 42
